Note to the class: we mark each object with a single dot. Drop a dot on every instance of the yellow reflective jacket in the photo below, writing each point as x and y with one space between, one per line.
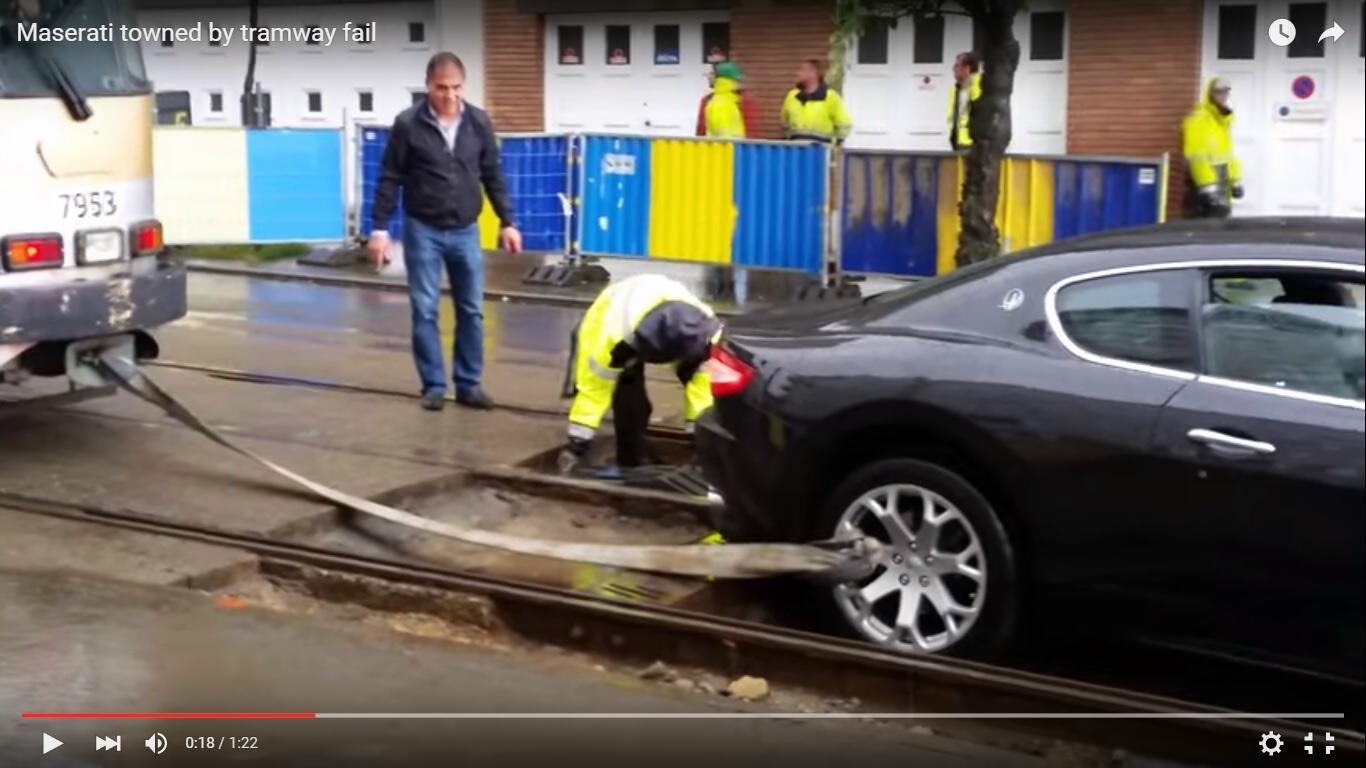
959 133
820 115
613 318
1207 142
725 119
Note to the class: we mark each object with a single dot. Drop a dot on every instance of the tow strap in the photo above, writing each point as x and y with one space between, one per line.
838 561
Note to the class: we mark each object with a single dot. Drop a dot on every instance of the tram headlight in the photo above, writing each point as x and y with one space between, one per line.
99 246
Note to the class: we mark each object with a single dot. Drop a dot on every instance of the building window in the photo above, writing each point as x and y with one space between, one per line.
715 42
1237 31
417 32
315 102
216 102
667 50
618 45
367 101
929 40
872 44
1307 17
570 41
313 30
1046 36
418 97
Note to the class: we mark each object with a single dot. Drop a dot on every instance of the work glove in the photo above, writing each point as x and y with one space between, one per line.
572 453
1214 199
1237 191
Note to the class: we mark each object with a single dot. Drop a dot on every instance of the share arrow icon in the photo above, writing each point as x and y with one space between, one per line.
1336 31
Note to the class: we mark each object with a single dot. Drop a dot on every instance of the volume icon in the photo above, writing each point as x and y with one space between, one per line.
104 743
156 742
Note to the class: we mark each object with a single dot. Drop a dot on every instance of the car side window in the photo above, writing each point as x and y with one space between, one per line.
1303 331
1138 318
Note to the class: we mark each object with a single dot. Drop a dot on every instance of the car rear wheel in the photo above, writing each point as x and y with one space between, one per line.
945 581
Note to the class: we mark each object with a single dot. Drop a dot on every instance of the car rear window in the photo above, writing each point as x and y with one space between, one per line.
1140 318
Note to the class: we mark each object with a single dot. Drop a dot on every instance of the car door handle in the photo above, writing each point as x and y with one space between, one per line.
1220 440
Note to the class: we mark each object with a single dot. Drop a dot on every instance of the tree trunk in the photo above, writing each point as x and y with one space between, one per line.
989 125
249 105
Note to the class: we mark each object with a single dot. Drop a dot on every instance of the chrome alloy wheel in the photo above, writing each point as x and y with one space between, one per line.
931 578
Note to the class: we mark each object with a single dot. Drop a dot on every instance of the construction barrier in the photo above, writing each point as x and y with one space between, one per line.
236 185
899 210
537 171
749 204
734 203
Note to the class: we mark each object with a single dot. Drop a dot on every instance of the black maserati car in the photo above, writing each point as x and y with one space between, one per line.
1159 430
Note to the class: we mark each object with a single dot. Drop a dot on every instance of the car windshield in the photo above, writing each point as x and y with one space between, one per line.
94 68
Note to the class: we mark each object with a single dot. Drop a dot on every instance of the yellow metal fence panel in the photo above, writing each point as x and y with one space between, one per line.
692 200
201 184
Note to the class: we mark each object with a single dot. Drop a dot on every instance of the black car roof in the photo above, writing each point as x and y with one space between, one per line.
1346 236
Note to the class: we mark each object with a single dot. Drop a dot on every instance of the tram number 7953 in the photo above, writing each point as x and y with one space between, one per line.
86 205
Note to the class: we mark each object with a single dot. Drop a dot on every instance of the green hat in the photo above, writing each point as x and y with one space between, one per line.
729 69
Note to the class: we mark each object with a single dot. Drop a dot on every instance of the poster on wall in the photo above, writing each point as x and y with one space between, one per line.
618 45
715 42
666 44
571 45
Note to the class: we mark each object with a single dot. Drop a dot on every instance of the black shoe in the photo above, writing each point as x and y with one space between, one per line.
476 399
434 401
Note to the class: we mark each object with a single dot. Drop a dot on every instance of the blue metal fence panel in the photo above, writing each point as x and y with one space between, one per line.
1092 196
537 173
615 205
780 205
890 214
372 144
294 185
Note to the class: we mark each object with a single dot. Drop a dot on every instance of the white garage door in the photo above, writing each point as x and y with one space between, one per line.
634 73
1300 126
897 82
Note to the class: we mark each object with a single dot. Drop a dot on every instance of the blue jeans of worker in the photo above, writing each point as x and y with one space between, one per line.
427 251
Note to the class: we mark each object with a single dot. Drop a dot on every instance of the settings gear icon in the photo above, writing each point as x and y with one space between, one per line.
1271 743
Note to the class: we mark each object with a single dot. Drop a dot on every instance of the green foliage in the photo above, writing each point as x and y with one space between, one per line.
245 252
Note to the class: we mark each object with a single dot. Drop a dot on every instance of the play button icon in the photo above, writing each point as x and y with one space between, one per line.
50 743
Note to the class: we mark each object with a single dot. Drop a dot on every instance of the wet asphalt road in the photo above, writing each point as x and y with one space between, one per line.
80 645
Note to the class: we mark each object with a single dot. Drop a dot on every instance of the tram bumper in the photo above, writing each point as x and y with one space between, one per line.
70 304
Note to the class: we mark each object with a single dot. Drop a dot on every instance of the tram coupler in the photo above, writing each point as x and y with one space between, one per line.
85 366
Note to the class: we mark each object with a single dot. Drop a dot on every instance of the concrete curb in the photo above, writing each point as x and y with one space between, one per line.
564 299
380 283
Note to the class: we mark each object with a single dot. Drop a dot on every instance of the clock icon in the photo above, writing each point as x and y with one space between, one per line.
1281 32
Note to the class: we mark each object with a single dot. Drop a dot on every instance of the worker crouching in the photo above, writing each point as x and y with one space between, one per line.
648 319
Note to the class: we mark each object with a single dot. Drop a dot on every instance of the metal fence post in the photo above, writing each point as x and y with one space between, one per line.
1162 190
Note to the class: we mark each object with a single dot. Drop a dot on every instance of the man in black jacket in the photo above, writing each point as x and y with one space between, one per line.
441 152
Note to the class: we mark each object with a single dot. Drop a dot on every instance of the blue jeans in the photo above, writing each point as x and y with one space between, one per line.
426 250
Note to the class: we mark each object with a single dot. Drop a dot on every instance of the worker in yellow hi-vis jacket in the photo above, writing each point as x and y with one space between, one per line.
647 319
1216 178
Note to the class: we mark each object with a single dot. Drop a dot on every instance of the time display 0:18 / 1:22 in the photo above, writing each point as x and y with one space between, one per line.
220 742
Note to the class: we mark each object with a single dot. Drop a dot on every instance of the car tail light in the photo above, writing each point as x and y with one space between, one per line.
32 251
729 374
147 238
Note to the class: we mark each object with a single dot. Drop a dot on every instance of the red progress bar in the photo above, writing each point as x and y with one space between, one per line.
168 715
